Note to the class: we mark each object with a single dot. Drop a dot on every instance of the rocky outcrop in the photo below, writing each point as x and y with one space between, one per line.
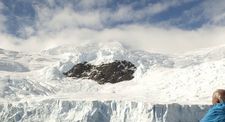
114 72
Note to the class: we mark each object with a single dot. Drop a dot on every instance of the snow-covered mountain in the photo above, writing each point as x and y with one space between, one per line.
33 87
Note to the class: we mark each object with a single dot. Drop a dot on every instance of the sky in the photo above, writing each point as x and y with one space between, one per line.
172 26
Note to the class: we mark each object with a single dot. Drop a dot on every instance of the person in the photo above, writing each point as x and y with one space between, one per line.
217 112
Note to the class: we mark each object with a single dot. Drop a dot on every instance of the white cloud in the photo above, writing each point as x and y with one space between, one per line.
67 17
136 36
90 3
215 10
209 12
64 25
128 13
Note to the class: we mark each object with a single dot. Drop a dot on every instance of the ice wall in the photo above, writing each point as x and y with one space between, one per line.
59 110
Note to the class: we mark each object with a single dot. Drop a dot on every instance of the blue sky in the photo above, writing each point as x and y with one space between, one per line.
27 21
20 14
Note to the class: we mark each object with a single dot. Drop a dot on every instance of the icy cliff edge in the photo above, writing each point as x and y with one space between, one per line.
99 111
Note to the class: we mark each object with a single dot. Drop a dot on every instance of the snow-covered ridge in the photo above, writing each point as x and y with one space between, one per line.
108 52
172 75
99 111
159 79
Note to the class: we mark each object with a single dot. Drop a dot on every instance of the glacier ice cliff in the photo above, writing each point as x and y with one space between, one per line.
63 110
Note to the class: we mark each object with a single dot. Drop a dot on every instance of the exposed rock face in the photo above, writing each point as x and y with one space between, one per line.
114 72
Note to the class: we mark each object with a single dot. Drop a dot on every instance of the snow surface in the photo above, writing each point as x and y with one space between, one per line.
32 85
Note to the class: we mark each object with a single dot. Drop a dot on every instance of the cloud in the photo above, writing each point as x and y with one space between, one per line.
93 21
204 13
67 18
96 15
215 10
136 36
2 18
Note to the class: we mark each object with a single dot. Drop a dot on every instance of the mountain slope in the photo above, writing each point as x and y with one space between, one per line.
28 79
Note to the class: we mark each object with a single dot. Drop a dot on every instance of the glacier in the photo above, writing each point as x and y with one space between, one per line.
165 88
61 110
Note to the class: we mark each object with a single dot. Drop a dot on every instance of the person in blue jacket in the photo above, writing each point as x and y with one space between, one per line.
217 112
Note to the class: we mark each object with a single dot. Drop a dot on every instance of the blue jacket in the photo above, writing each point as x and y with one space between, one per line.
215 114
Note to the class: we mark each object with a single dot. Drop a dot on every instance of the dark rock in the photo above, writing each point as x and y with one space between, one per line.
114 72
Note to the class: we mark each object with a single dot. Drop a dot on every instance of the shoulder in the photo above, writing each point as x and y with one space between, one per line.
215 114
